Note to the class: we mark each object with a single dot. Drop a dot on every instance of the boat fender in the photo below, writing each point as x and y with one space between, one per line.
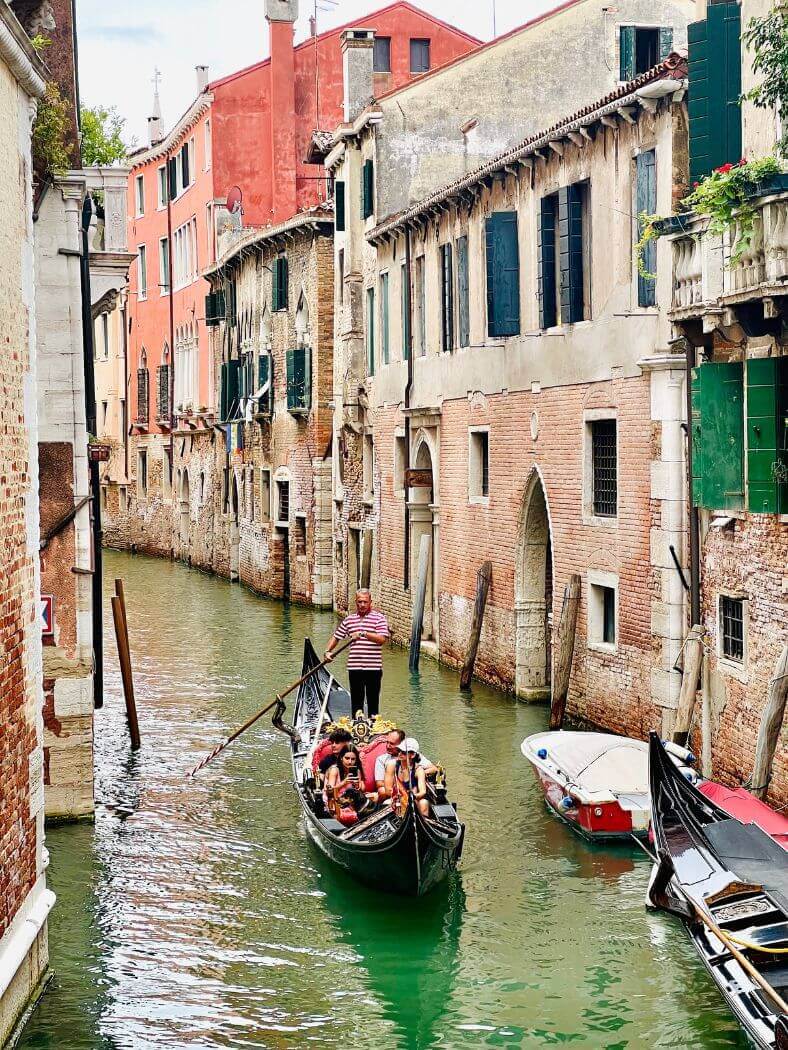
683 754
542 753
567 803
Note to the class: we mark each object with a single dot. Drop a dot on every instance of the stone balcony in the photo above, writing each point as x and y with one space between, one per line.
705 281
108 241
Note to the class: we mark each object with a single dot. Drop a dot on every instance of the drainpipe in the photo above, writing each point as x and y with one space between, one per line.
408 389
694 516
93 468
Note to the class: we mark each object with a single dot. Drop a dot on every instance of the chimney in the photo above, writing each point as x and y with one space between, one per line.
281 15
202 78
357 69
155 133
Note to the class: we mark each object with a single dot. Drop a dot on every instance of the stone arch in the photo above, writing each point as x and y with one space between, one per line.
533 593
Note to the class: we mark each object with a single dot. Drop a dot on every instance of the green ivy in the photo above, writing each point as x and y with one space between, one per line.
767 38
50 145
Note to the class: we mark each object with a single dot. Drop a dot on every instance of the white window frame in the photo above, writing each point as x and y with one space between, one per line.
142 272
139 195
594 415
400 450
475 495
736 668
164 271
161 187
595 609
142 489
265 487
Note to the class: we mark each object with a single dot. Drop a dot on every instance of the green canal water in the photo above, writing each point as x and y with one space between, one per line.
198 914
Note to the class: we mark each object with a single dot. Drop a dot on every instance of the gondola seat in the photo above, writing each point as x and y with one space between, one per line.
369 756
321 751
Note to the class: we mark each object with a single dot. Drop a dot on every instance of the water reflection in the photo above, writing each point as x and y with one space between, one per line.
197 913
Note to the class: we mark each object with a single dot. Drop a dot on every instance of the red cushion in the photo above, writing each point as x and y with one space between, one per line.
321 751
369 755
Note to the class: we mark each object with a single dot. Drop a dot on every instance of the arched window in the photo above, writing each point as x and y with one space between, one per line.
163 385
143 388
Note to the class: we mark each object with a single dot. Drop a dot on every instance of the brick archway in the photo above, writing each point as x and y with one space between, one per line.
533 594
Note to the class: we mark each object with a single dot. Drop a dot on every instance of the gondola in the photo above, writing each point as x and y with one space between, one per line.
728 882
406 854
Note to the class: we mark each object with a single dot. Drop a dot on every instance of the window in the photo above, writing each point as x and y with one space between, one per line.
299 380
368 468
731 628
370 331
104 405
161 185
419 56
208 144
381 61
250 493
142 472
209 226
339 206
279 284
164 266
104 347
714 103
646 201
479 466
563 238
172 178
299 535
420 305
503 274
384 317
367 189
185 254
404 311
283 501
641 47
604 478
718 436
139 195
143 393
265 494
142 272
602 611
185 165
163 389
447 298
463 293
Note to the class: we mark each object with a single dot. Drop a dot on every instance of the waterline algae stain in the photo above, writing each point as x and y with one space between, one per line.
197 913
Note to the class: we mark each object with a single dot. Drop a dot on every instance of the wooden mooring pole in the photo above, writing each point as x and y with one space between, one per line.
483 577
771 724
693 664
124 655
566 648
419 596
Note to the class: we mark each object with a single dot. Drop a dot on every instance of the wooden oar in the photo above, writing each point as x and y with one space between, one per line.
234 736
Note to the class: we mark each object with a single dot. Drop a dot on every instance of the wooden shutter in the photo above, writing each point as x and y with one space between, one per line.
447 298
405 309
298 379
367 190
646 201
163 394
570 247
172 177
718 436
463 292
210 310
281 283
714 89
229 394
665 41
767 435
339 205
545 237
503 274
185 166
626 53
275 286
370 331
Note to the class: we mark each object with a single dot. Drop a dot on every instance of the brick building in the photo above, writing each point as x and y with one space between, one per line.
24 899
249 136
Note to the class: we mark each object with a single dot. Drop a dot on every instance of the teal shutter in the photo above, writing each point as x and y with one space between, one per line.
275 286
545 236
172 178
767 435
665 41
370 331
718 436
185 166
463 292
447 298
299 379
367 190
714 89
263 377
229 389
339 206
279 284
503 274
570 247
626 53
211 320
405 308
646 201
384 317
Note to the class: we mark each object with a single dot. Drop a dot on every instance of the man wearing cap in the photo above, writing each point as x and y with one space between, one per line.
370 631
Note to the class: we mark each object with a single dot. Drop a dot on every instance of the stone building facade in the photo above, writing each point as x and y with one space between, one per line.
517 373
24 899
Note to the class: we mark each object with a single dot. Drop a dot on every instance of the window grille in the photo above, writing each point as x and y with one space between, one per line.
163 392
142 395
732 623
605 469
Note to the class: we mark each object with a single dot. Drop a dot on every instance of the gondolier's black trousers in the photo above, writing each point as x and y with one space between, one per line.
365 685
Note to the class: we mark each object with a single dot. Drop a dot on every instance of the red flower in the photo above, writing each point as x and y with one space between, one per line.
742 161
724 169
695 184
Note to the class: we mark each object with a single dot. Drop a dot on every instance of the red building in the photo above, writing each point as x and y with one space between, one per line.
252 130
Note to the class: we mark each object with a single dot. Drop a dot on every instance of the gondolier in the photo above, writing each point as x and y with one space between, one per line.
370 631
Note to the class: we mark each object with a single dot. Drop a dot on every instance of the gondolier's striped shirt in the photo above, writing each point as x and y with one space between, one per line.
363 654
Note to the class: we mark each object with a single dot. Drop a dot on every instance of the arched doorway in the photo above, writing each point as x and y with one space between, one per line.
533 596
183 507
235 531
422 523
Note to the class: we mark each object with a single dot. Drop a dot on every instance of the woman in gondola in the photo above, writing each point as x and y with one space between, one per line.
344 787
406 776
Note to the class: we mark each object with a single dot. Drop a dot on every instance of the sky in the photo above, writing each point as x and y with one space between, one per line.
121 43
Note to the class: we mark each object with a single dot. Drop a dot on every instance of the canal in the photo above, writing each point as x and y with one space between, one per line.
198 914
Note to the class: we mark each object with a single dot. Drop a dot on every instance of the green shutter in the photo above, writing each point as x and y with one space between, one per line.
714 89
384 317
339 206
626 53
172 178
646 201
228 403
570 246
405 307
299 379
503 274
211 319
463 292
767 435
367 190
447 298
370 331
665 41
718 436
275 286
545 236
283 283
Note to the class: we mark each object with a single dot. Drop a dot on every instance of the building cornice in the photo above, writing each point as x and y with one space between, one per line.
160 149
18 55
257 236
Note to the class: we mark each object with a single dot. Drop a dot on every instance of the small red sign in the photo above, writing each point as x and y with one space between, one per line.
47 615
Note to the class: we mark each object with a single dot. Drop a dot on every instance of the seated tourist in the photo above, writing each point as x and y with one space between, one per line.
385 758
344 791
340 740
405 776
